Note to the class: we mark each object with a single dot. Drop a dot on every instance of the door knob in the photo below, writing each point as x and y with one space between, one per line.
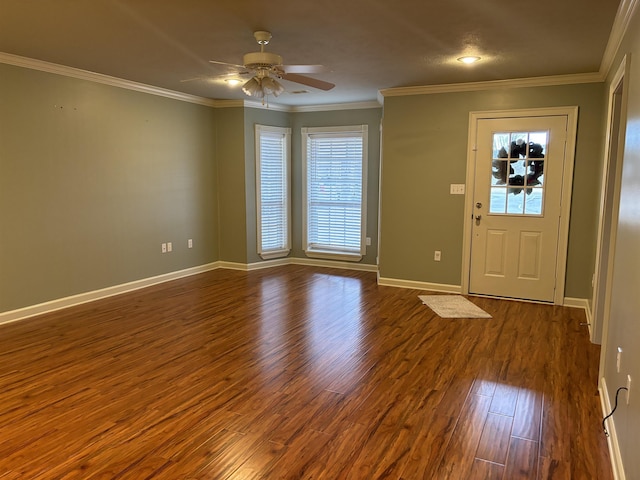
478 217
478 205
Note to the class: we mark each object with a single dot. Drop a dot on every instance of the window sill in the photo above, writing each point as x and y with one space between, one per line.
327 255
274 254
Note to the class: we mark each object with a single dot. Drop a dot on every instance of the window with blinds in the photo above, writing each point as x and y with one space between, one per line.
272 191
334 166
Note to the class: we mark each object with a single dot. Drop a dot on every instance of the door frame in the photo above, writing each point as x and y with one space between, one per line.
567 183
609 207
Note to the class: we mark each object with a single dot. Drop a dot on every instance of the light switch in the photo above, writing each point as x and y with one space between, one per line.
457 189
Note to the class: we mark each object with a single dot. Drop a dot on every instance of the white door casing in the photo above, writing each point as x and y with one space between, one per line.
516 238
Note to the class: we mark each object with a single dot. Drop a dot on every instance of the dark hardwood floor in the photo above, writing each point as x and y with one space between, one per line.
301 373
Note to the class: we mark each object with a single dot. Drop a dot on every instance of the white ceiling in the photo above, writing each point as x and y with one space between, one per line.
366 45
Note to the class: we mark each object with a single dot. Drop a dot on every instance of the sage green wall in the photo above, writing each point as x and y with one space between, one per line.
425 150
93 179
623 329
230 159
368 116
253 117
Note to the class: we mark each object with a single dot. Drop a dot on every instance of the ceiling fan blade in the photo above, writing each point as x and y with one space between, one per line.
212 78
304 68
227 64
191 79
311 82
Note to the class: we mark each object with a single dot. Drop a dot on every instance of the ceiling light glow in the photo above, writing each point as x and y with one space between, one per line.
233 81
469 59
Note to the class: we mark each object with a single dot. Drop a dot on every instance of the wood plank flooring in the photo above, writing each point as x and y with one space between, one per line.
298 373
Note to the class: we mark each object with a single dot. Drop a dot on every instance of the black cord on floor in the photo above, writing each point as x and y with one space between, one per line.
604 427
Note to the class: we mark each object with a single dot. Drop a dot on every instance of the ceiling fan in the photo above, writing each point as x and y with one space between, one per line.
267 69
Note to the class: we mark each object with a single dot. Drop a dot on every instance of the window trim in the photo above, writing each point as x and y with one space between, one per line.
286 134
361 130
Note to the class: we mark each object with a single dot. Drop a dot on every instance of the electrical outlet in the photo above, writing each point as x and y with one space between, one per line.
190 243
618 359
164 248
437 255
169 247
628 388
368 241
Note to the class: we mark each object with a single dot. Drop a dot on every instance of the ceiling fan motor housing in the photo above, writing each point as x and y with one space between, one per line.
257 60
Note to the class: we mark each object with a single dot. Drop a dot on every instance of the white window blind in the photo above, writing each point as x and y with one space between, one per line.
335 172
272 191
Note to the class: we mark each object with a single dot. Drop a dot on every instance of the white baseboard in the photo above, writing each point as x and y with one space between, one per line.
232 266
612 439
316 262
276 262
60 303
585 305
434 287
312 262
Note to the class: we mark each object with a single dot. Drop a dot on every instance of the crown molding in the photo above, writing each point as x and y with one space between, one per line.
622 20
48 67
618 30
228 103
495 84
265 105
337 106
312 108
40 65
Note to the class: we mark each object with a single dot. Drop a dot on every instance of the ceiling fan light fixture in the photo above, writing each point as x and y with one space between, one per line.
268 69
253 88
271 86
469 59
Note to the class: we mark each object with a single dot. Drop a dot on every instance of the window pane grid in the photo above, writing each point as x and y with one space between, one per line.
517 183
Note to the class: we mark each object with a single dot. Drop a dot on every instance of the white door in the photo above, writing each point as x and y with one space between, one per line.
517 198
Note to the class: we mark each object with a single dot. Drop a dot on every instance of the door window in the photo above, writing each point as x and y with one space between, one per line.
517 173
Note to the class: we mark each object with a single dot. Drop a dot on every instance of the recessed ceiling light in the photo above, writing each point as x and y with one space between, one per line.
469 59
233 81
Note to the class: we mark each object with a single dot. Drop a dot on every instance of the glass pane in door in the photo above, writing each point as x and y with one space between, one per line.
517 173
